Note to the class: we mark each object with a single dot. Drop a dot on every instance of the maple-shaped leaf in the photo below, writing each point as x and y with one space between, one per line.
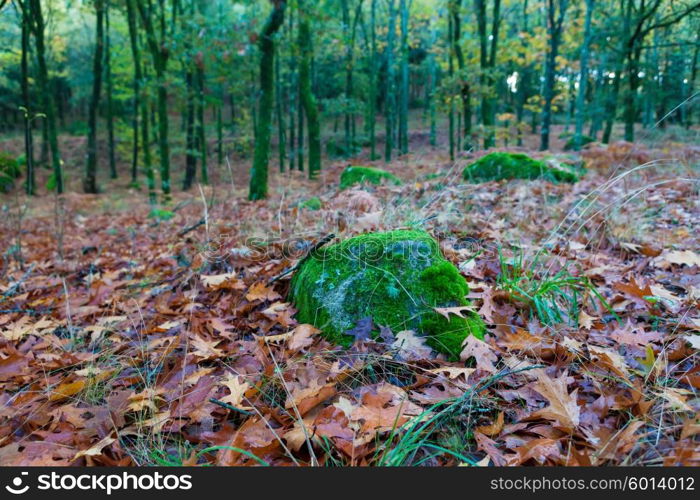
259 292
363 329
562 409
482 352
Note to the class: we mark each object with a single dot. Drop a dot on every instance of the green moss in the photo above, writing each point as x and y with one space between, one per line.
358 175
312 203
9 171
585 139
397 278
497 166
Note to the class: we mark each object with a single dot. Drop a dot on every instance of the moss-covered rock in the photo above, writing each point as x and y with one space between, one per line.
570 142
313 203
9 171
358 175
497 166
397 278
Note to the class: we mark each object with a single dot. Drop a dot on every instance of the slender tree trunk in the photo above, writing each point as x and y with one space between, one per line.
390 94
465 90
201 108
308 100
110 93
159 54
258 177
451 97
404 94
555 21
90 180
136 58
583 76
432 84
47 95
279 97
28 110
372 113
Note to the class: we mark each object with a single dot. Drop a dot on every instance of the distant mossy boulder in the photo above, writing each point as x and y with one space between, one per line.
570 142
396 278
358 175
497 166
313 203
9 171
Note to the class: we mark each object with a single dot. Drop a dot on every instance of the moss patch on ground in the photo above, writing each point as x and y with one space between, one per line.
498 166
359 175
397 278
570 142
313 203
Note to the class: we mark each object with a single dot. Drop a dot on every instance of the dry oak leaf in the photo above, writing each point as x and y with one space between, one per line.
457 311
67 389
95 449
495 428
236 388
562 409
258 291
226 280
310 397
610 359
678 257
481 351
411 346
302 336
539 450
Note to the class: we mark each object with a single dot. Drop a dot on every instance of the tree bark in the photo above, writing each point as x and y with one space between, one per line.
258 177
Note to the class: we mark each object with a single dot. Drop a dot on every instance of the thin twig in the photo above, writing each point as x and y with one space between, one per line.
296 266
229 407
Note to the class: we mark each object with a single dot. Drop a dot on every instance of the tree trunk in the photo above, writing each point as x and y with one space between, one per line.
47 95
308 100
136 57
110 100
90 180
258 176
583 76
555 23
28 112
390 95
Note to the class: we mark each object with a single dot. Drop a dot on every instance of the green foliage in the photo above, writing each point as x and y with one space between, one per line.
397 278
553 299
9 171
498 166
358 175
161 214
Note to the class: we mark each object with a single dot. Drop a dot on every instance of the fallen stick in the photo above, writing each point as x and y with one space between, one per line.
318 245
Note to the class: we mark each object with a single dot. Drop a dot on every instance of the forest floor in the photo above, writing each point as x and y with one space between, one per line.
118 325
